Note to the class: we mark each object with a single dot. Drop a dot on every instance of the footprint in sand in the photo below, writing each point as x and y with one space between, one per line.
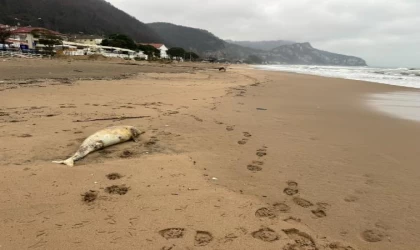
168 248
290 191
246 134
114 176
197 118
292 188
265 212
321 209
273 211
303 241
262 152
266 234
281 207
255 84
339 246
323 205
90 196
373 235
292 184
126 154
117 189
243 141
351 198
292 219
172 233
230 128
319 212
255 166
153 140
202 238
302 202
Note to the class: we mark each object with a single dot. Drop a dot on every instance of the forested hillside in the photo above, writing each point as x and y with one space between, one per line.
75 16
191 39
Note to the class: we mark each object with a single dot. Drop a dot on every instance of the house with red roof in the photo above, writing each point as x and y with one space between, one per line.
29 36
161 47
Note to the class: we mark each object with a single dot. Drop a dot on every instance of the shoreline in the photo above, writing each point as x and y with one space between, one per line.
390 104
243 159
342 77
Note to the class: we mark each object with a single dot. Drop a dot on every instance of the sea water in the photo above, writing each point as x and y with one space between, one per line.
407 77
400 104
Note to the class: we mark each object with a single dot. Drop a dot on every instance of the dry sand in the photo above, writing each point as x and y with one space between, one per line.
239 160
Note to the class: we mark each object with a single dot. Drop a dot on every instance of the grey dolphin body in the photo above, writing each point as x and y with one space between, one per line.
101 139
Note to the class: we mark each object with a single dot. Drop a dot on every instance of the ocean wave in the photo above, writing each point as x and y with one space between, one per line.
407 77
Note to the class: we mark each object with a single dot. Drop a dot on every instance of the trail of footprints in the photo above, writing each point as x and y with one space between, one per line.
292 190
90 196
298 240
301 240
244 140
256 165
201 238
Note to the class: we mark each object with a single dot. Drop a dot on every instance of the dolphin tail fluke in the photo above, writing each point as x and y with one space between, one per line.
69 162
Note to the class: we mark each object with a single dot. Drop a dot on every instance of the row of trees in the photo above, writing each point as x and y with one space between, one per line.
5 33
48 39
124 41
181 53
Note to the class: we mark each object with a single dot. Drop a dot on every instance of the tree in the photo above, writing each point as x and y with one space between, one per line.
176 52
191 55
149 50
5 33
120 41
48 39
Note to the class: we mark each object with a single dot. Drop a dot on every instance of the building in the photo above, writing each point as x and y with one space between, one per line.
4 26
87 39
161 47
29 36
81 49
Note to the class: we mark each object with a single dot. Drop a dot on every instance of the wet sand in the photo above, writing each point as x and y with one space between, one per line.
400 104
239 160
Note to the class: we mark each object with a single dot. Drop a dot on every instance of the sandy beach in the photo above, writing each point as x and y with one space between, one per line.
243 159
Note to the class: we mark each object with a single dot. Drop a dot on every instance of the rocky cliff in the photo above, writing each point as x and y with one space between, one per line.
304 53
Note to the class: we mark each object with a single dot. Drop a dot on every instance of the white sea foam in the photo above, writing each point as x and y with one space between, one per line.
401 104
393 76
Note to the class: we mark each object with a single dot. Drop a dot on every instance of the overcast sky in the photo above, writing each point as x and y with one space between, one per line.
383 32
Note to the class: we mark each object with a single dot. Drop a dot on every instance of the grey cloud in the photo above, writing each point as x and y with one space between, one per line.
384 32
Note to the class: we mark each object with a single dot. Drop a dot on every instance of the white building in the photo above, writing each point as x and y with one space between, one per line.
30 36
87 39
161 47
80 49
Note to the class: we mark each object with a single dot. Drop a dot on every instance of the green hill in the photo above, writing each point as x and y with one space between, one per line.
192 39
75 16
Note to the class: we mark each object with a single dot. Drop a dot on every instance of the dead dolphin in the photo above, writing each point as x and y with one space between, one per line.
101 139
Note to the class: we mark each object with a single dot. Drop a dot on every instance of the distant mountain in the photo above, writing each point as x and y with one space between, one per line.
192 39
261 45
285 52
304 53
75 16
98 17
